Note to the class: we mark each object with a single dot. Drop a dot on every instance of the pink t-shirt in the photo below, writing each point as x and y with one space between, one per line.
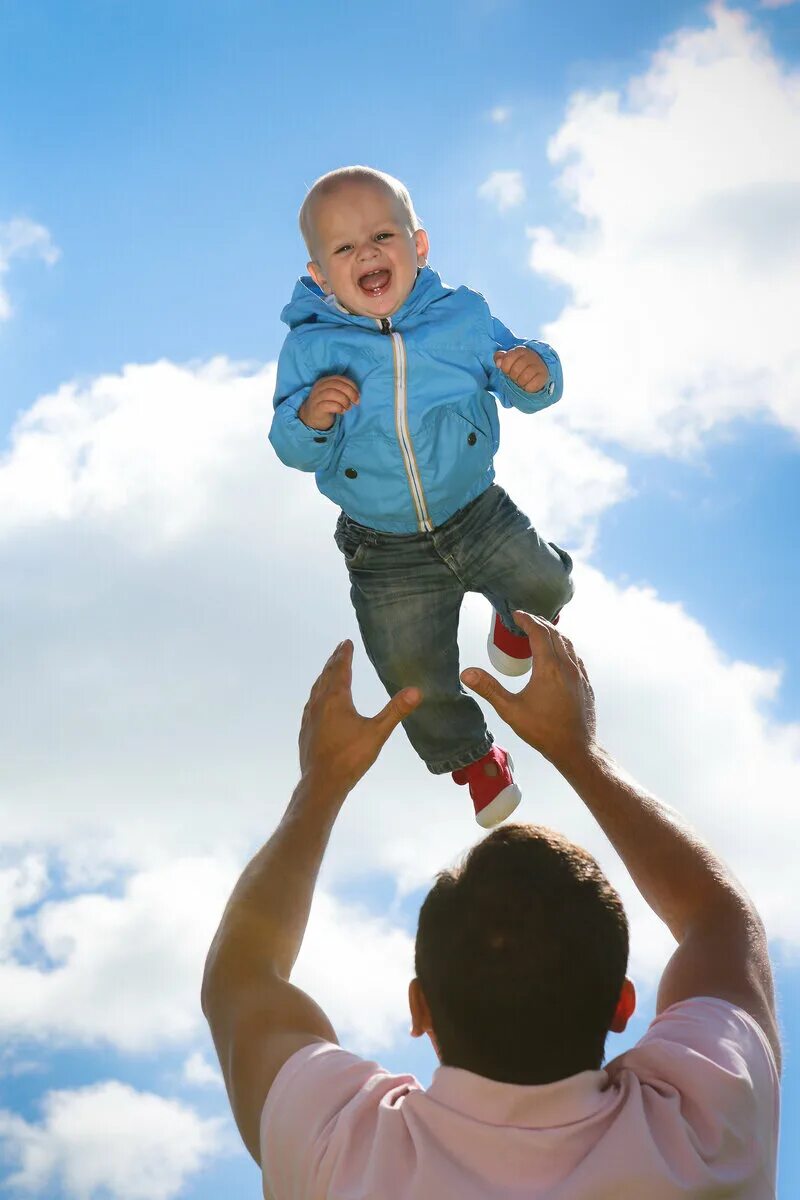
690 1111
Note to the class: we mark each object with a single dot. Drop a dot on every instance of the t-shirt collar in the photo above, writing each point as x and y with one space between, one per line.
539 1106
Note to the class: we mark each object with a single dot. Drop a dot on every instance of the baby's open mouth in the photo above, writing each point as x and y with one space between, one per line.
375 283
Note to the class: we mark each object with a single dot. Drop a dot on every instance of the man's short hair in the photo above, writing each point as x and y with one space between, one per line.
328 183
521 952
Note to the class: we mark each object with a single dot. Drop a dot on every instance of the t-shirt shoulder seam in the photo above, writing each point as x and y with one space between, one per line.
290 1068
737 1009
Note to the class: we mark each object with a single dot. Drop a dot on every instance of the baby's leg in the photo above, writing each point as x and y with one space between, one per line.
407 601
509 563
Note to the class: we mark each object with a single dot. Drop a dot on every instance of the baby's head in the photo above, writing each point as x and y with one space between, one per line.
364 239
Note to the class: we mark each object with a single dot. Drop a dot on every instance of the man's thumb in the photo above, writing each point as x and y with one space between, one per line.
398 709
487 686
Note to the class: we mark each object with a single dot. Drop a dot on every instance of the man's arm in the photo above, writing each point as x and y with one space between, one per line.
722 945
258 1019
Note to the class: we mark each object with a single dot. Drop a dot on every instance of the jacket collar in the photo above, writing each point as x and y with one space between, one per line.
308 303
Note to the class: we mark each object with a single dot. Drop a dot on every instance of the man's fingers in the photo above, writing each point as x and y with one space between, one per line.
340 658
540 632
344 661
487 686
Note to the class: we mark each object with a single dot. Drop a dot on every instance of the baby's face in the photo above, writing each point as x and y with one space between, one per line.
364 251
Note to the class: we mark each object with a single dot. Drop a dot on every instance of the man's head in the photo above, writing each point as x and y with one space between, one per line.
521 956
364 239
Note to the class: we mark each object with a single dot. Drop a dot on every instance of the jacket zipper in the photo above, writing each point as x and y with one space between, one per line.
401 426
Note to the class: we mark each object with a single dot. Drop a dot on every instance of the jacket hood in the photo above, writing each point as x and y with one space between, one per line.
309 304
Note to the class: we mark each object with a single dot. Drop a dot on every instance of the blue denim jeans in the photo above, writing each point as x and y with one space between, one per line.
407 591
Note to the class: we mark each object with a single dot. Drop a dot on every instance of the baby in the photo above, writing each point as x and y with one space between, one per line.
387 389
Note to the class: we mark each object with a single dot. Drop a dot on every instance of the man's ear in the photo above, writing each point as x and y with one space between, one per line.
421 1015
418 1006
319 279
423 247
625 1007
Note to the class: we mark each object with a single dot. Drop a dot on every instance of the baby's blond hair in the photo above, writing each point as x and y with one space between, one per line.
328 183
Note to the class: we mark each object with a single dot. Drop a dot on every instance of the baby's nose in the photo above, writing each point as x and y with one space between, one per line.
367 250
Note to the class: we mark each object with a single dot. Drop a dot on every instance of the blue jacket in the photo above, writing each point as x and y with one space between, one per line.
420 444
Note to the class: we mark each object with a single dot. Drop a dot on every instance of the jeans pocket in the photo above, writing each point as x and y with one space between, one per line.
349 541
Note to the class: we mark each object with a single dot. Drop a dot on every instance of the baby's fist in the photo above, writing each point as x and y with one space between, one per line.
523 367
329 398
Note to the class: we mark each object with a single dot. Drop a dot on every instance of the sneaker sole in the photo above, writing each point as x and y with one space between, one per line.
501 807
504 663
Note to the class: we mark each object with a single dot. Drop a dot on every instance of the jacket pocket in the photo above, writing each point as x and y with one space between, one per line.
453 453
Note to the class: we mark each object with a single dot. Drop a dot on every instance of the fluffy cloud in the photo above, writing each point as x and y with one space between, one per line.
109 1141
122 969
172 592
503 189
125 969
499 114
22 884
165 576
684 277
199 1072
20 238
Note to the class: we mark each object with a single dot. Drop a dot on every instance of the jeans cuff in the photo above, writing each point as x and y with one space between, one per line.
445 766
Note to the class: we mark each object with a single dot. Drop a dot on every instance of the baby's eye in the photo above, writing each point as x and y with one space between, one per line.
379 237
342 249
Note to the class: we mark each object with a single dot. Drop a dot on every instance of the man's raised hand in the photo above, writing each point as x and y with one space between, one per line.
328 398
554 712
338 745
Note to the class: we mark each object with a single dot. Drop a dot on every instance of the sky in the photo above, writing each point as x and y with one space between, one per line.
622 181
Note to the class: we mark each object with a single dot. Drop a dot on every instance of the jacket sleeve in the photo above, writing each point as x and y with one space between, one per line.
508 392
295 443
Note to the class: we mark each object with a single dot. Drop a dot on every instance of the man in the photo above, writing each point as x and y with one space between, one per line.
521 956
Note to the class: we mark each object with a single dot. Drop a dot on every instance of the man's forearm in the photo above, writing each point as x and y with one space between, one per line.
265 918
677 873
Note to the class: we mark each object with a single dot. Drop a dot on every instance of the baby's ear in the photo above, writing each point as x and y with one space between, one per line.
423 246
319 279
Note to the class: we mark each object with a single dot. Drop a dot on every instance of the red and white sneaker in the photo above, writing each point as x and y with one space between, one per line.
508 652
495 796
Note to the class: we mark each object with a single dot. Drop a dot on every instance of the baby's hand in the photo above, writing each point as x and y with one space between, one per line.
331 395
524 367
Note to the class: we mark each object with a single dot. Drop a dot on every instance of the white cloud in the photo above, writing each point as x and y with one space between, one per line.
503 189
558 477
361 964
109 1142
160 560
125 969
164 625
21 885
199 1072
499 114
685 279
121 969
20 238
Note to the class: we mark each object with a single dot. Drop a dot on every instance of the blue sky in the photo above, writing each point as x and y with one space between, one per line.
153 160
